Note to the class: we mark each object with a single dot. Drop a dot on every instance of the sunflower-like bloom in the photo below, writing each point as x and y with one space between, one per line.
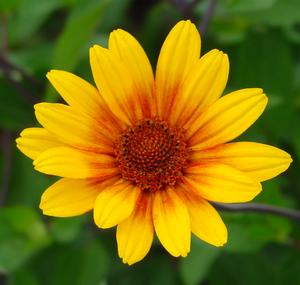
147 153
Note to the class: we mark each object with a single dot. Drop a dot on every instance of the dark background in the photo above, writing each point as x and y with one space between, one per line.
262 39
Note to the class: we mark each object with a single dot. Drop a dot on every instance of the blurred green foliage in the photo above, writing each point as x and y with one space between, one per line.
262 38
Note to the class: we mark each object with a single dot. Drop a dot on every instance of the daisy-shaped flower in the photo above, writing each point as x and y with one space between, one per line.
147 153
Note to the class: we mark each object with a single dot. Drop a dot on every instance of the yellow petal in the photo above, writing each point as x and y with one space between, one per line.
116 85
172 223
179 53
204 84
129 51
260 161
83 96
206 223
135 234
73 163
225 120
70 197
115 204
73 127
75 91
221 183
33 141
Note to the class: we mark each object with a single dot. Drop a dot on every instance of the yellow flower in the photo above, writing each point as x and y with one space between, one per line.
147 154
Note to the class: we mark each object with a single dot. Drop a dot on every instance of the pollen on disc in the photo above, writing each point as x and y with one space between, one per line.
152 155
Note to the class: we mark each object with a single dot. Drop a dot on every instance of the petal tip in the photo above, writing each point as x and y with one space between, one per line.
36 163
225 58
129 261
264 96
221 244
185 253
42 204
48 74
101 222
51 73
92 50
18 140
39 106
265 99
18 146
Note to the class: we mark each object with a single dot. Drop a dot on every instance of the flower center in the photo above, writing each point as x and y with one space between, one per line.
152 155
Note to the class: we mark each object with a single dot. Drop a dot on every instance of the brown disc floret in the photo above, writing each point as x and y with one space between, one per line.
152 155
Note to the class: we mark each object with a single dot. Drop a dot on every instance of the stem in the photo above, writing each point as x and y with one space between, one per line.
7 140
259 208
6 136
186 7
7 69
3 279
207 16
6 64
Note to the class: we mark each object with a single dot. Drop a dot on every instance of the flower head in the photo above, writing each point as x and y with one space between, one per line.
147 153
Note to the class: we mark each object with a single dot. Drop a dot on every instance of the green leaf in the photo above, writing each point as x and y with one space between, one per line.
94 264
196 265
296 141
20 27
156 268
23 276
157 24
34 59
282 13
231 31
81 24
250 232
6 6
292 34
115 15
27 185
81 263
274 265
249 5
17 110
265 60
67 229
272 193
241 238
260 13
22 234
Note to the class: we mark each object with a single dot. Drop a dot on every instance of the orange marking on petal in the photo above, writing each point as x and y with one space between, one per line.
109 180
172 96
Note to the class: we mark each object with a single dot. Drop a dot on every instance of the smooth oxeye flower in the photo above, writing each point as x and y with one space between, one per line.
147 153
